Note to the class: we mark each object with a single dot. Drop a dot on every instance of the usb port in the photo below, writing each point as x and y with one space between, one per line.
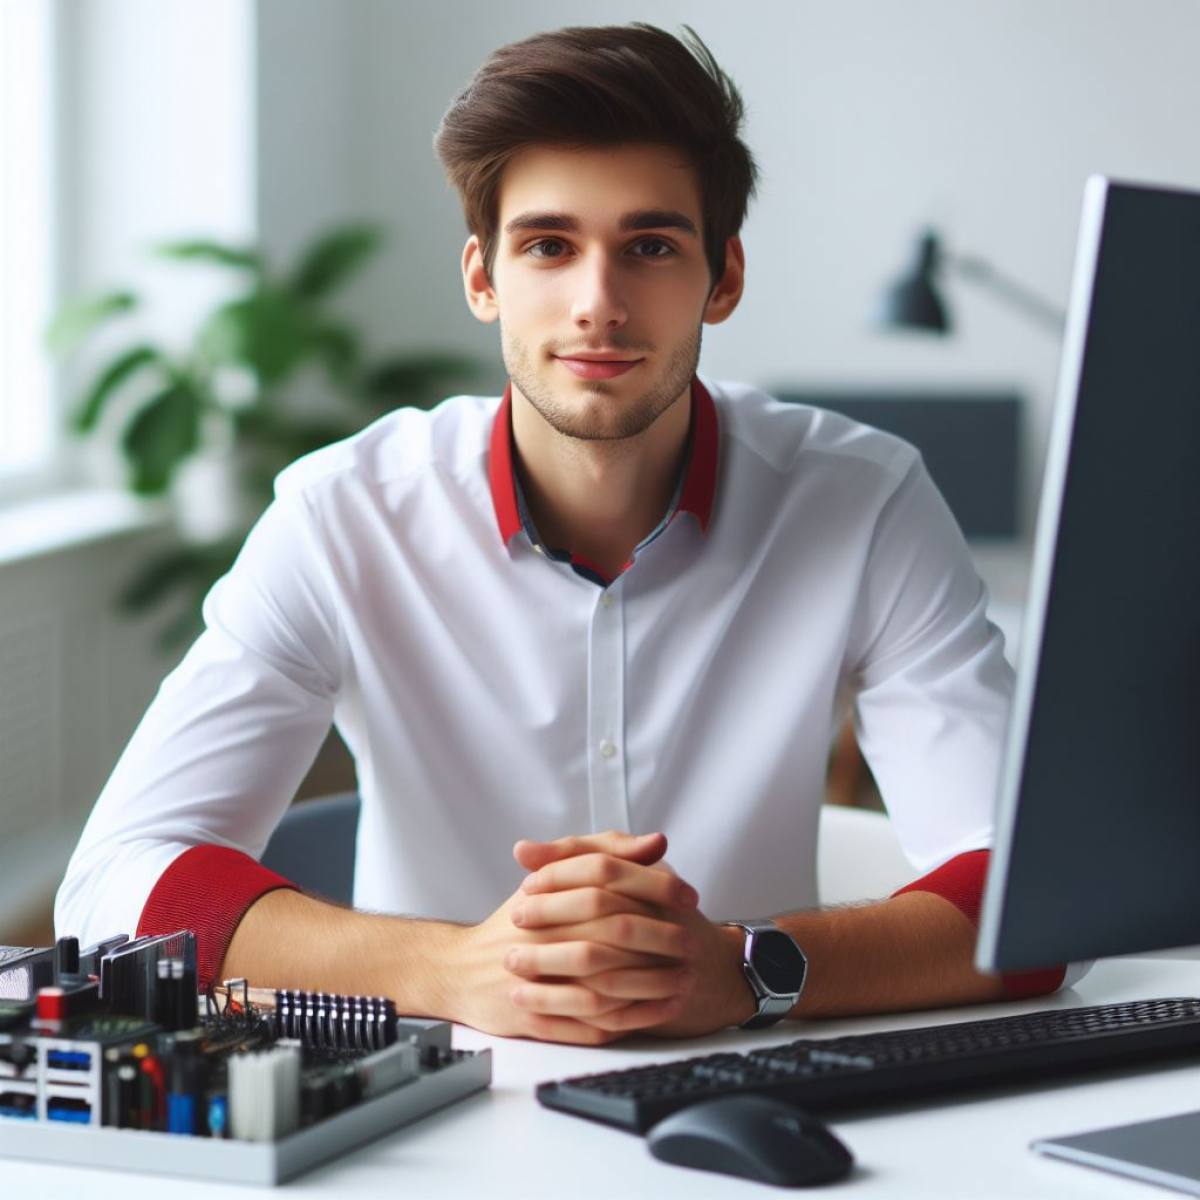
68 1060
15 1059
65 1108
18 1105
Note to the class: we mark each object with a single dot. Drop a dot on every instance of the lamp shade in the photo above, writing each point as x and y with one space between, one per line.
912 301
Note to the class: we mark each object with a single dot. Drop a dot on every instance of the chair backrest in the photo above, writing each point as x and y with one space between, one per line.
313 846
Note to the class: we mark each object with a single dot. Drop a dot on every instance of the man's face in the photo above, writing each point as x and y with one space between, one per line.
600 284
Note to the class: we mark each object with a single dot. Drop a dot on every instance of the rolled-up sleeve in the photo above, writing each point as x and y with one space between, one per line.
219 753
932 687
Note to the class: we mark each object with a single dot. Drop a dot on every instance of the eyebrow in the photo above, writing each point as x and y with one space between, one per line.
643 218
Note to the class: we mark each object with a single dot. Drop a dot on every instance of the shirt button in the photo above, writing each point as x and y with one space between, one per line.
606 599
607 748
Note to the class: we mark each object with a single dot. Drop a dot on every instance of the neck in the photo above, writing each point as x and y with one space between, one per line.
598 499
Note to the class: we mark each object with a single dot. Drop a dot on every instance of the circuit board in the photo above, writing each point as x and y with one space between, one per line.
109 1058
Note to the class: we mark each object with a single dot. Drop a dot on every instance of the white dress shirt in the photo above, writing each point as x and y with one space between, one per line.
489 692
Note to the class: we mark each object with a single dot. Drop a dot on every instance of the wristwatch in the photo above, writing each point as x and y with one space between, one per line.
775 968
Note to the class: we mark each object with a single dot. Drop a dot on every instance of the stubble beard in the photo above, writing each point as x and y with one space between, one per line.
582 421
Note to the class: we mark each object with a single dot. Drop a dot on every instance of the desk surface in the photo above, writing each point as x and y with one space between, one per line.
503 1144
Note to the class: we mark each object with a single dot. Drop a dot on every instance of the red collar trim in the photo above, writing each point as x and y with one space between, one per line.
500 470
699 485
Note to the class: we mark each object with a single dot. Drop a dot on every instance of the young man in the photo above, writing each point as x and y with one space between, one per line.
616 598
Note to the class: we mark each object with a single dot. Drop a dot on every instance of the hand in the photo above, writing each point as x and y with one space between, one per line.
598 933
575 876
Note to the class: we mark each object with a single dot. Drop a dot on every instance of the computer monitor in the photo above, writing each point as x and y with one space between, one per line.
1098 806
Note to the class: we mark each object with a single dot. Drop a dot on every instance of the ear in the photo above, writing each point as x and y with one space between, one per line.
727 291
481 296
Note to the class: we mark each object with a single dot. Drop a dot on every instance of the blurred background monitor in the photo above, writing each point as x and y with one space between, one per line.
970 442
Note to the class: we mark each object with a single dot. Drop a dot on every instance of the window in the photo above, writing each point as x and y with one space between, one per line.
28 428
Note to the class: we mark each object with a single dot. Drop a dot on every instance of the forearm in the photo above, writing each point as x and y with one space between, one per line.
912 951
289 940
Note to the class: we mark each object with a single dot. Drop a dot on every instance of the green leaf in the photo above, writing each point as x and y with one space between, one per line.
303 437
265 332
77 318
278 442
180 632
254 424
195 566
192 569
417 378
160 436
158 576
119 370
333 258
337 346
203 250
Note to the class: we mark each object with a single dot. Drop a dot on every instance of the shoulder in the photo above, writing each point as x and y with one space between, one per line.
802 441
402 449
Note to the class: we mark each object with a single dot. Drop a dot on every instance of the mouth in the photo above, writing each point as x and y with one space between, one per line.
597 366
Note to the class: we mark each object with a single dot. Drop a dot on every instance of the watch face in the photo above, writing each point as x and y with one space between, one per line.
778 961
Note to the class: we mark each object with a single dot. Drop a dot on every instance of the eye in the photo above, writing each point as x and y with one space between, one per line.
662 248
546 248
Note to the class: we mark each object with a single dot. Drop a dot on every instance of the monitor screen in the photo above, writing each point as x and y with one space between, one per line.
1098 807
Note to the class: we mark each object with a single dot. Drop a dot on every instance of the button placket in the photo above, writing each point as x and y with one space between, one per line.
606 713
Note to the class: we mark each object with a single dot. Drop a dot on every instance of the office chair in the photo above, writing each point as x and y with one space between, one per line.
313 846
858 856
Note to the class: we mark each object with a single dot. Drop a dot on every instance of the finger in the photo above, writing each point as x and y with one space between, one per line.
567 1030
646 848
645 983
631 931
649 884
575 959
563 1000
642 1014
570 908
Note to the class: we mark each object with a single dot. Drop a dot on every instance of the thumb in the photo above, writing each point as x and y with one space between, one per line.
645 849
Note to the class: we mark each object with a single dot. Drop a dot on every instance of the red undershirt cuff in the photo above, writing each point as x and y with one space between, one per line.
961 880
207 889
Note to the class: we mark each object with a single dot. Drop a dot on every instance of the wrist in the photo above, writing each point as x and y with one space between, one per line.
740 1004
433 953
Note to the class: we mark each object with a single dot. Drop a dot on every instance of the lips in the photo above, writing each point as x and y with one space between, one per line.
599 368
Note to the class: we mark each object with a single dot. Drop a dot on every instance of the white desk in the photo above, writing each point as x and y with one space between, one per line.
502 1143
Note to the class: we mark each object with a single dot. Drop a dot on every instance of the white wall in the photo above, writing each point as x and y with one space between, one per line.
869 117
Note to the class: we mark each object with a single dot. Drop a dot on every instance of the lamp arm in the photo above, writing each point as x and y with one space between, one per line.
980 271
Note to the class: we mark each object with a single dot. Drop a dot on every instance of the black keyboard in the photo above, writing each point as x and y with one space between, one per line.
841 1073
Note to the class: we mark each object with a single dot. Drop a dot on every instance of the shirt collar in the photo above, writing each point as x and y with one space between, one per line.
699 483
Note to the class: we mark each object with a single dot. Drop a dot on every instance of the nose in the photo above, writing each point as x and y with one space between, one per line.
597 303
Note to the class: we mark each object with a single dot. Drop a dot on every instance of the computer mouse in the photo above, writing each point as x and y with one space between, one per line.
754 1137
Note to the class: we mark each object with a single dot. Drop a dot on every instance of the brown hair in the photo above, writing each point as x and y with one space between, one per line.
600 86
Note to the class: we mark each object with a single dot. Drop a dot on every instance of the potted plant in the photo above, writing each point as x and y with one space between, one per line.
227 399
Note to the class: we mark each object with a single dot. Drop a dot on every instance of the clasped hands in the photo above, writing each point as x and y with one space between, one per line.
601 940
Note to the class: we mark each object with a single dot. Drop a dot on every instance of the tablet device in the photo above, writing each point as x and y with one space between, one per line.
1164 1151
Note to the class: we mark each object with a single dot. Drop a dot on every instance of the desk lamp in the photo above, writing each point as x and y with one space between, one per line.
913 301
